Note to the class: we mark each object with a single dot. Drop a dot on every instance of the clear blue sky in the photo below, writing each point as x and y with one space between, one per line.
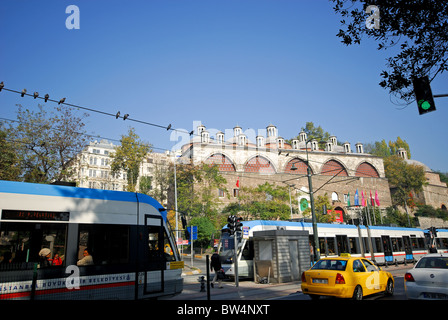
221 62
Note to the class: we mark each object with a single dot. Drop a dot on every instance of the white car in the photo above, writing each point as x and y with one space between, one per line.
429 278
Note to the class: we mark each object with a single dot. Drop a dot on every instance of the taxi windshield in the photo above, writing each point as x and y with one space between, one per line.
330 265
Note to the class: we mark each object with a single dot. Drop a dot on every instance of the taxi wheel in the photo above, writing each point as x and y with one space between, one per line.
357 294
389 288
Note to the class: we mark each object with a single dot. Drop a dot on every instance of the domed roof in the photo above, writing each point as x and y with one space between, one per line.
418 163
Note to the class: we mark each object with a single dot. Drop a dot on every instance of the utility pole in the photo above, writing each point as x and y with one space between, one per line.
313 213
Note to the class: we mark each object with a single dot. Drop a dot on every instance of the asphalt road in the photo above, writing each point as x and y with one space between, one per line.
399 292
398 273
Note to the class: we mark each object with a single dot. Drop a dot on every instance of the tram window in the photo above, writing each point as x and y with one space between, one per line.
414 243
354 245
108 244
153 245
366 244
395 246
378 245
20 244
400 244
331 244
421 243
442 243
322 246
248 251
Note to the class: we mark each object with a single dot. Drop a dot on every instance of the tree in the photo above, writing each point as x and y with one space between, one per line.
384 150
9 161
418 29
47 142
266 201
317 133
196 192
403 178
395 216
129 156
399 143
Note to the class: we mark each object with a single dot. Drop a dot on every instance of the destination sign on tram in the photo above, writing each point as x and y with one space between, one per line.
35 215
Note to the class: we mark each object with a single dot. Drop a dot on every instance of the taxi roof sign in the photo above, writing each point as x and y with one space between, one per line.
345 255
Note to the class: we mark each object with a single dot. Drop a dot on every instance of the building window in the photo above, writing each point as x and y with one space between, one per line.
221 193
367 170
220 160
259 164
333 168
236 193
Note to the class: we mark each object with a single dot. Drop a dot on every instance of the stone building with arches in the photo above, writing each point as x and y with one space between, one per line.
255 157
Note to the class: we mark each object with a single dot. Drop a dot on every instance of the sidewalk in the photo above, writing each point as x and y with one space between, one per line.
247 290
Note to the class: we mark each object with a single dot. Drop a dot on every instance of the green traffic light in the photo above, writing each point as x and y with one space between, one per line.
425 105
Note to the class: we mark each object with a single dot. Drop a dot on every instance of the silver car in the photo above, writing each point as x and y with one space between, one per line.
429 278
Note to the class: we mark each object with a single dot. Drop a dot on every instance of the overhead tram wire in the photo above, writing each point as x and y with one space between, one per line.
62 101
116 115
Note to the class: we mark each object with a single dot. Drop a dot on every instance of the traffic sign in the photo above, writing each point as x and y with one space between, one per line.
194 234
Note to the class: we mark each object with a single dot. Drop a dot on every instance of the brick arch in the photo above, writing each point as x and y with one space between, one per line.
333 167
365 169
299 164
222 161
259 164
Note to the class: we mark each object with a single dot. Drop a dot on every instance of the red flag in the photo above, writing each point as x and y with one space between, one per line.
371 199
238 182
363 201
377 200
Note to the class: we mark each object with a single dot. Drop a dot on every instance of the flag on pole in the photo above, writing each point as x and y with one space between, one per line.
377 200
348 199
356 198
238 182
371 199
363 200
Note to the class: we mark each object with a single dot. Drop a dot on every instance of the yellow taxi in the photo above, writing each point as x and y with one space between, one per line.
346 277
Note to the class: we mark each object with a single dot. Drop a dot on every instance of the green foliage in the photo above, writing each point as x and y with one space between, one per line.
197 197
415 30
395 216
429 211
403 178
9 161
384 150
128 157
266 202
47 142
206 229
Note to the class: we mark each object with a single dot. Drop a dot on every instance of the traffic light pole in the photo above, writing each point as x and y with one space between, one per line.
235 258
234 225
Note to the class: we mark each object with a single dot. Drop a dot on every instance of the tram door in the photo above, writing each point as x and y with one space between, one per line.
155 261
408 248
388 256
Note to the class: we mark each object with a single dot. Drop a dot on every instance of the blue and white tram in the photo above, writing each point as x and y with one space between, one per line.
126 235
388 244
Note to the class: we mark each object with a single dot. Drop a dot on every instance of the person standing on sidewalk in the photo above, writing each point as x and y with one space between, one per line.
215 265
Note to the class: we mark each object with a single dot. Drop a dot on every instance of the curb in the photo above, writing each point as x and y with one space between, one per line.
190 273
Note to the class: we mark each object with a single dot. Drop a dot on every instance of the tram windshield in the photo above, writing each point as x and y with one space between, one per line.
227 247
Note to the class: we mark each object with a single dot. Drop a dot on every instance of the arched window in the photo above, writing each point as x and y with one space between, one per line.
259 164
296 166
333 168
367 170
223 163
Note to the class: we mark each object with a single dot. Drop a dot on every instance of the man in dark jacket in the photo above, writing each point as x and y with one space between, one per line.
215 265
